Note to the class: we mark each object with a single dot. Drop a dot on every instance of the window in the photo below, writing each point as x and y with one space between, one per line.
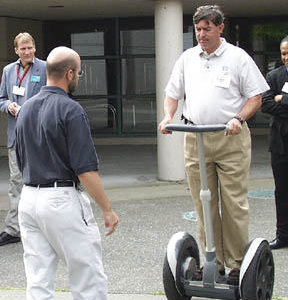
266 42
137 42
188 37
138 77
139 114
118 89
93 81
261 39
96 89
88 43
266 39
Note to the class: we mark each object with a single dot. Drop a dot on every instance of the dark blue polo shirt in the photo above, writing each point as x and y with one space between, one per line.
53 138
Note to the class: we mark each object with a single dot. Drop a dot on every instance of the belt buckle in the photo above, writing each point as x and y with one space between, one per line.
56 182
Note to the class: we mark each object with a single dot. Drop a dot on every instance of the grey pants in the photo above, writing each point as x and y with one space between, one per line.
15 187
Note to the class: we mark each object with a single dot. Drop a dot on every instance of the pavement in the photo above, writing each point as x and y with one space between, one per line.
150 212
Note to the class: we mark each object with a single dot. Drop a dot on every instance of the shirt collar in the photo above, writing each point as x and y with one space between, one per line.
53 89
20 64
217 52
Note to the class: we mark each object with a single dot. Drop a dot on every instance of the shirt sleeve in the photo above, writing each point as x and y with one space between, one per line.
269 105
252 82
4 100
82 154
176 85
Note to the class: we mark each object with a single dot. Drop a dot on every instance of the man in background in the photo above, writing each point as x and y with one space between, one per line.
275 103
20 81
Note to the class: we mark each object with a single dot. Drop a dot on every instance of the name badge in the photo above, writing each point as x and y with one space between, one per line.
285 87
18 90
35 78
222 77
222 80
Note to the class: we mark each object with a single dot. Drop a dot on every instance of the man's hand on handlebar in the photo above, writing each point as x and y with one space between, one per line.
234 127
162 126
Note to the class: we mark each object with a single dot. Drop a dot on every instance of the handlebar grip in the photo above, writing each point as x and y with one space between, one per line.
196 128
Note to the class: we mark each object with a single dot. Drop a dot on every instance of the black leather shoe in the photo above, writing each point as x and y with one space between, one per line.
6 238
277 244
233 277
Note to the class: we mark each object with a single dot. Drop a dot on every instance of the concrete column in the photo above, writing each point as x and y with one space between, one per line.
169 46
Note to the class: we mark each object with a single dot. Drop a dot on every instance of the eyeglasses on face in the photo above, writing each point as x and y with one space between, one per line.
79 73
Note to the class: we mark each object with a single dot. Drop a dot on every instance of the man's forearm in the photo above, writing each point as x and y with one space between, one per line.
250 108
170 107
93 185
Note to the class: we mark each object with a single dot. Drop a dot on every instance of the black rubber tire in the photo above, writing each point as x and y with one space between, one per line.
258 281
188 248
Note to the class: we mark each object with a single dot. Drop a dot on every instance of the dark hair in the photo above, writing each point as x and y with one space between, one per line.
285 40
24 37
208 13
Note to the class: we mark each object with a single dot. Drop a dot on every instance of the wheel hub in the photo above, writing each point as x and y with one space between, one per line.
189 267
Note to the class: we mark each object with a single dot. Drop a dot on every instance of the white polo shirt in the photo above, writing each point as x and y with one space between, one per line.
215 86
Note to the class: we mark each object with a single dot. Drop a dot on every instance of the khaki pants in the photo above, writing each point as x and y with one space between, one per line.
228 164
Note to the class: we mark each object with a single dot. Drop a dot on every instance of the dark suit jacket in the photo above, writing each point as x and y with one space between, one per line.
279 111
9 79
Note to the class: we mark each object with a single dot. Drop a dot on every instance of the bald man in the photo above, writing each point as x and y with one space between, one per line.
55 217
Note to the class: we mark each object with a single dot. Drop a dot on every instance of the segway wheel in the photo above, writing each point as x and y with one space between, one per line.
258 281
186 250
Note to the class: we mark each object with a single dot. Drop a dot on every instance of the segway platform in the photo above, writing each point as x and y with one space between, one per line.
182 258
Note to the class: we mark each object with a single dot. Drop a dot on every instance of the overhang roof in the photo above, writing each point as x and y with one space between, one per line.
87 9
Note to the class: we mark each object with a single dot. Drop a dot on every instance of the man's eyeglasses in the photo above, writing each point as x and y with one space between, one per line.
79 73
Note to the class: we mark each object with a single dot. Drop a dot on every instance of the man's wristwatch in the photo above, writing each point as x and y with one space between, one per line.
239 119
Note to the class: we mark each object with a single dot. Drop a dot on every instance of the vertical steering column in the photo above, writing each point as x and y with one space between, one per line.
205 195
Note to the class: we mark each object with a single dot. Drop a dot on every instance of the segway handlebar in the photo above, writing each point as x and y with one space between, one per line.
196 128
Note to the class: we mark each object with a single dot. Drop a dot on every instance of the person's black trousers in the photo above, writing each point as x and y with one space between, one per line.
280 171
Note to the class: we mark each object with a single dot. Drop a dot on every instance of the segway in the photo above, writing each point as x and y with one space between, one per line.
182 258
